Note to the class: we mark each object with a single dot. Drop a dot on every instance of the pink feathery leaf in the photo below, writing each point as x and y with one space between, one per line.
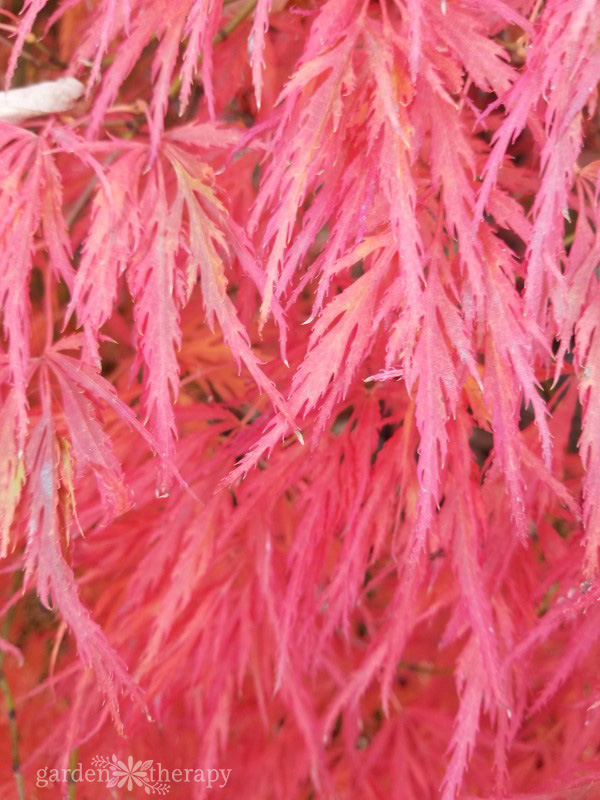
588 354
256 45
56 584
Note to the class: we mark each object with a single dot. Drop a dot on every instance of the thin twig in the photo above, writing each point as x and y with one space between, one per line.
9 701
221 35
427 669
72 790
46 51
233 23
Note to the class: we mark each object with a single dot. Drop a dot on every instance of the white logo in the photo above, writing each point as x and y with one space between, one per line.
152 776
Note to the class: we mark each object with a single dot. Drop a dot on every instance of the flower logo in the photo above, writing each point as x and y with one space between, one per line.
130 774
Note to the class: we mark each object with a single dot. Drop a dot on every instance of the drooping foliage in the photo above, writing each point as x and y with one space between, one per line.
300 387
